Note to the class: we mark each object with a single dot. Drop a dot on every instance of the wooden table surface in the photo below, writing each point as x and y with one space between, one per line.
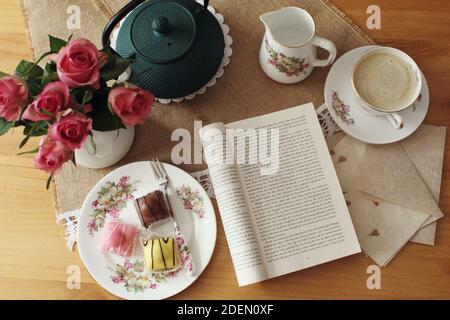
34 258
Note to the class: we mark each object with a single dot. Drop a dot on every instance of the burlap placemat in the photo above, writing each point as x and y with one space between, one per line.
244 90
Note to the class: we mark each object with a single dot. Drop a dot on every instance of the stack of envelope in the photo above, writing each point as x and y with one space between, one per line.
392 191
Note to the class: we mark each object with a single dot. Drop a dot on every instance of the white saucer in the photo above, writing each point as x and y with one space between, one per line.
345 109
127 278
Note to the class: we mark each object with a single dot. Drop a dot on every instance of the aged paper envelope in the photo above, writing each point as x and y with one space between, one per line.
426 151
335 139
380 225
387 173
347 154
426 235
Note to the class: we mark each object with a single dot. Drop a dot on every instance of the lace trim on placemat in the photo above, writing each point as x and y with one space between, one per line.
329 127
69 219
349 22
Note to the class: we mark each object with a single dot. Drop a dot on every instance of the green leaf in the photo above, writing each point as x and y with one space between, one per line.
49 180
82 95
88 95
103 118
107 123
29 152
36 129
50 74
5 126
73 160
18 123
29 70
90 145
115 67
3 74
24 142
34 87
56 44
47 113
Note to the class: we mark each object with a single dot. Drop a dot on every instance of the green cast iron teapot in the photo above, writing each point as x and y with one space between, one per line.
178 45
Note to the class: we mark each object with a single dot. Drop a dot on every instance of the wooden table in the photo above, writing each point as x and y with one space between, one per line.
34 258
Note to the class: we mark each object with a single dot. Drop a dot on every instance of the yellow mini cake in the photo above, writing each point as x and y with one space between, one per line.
161 254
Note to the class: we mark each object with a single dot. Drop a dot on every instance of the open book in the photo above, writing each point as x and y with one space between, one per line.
278 194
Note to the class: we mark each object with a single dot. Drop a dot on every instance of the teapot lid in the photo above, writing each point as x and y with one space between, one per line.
163 32
184 53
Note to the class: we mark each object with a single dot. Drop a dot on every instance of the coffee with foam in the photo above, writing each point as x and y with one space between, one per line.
385 81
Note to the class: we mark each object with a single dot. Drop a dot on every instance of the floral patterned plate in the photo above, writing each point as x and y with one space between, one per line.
112 198
344 106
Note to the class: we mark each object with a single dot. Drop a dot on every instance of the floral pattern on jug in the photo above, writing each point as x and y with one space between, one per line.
290 66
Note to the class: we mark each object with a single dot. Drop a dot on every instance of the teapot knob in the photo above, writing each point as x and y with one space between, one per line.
161 25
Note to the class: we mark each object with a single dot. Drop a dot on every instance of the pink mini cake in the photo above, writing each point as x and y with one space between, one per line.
119 238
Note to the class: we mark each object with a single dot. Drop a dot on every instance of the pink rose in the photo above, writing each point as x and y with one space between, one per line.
79 64
51 156
13 95
131 105
53 99
72 130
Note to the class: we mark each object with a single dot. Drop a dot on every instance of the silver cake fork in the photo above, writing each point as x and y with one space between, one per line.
163 181
160 174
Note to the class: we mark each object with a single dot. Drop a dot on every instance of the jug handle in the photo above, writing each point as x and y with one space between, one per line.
116 19
327 45
122 14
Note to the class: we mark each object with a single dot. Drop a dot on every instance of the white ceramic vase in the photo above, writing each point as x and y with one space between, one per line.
105 148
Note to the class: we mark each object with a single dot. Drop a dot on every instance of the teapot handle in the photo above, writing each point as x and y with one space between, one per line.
116 19
122 14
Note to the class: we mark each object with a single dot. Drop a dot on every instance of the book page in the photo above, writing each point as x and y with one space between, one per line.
298 211
232 203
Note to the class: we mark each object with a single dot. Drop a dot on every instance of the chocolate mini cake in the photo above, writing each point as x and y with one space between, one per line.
153 208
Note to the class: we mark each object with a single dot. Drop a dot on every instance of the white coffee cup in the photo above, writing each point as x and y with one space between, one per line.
413 85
